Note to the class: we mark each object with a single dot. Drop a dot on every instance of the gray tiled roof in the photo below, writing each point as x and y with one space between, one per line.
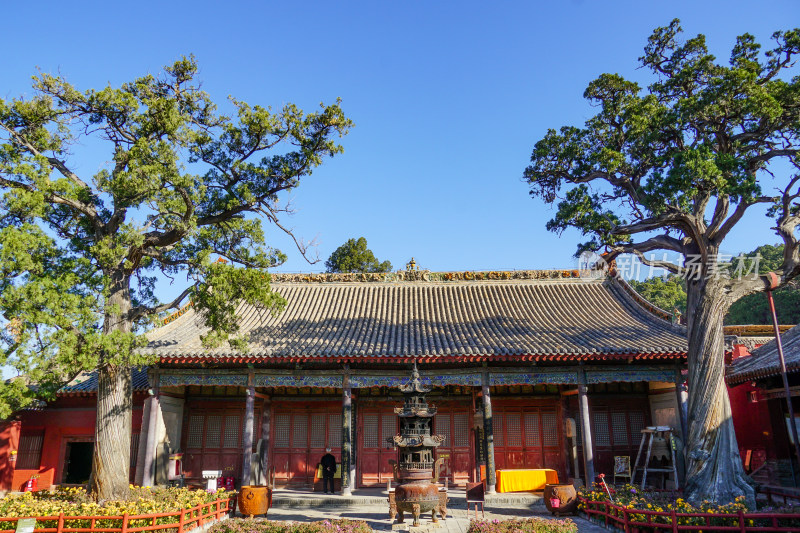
424 319
86 382
764 360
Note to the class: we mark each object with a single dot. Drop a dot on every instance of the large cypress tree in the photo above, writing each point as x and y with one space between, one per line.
181 186
674 167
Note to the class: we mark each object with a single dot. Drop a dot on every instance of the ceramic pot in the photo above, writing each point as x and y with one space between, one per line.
254 500
561 498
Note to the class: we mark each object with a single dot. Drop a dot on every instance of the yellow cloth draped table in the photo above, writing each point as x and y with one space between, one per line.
525 480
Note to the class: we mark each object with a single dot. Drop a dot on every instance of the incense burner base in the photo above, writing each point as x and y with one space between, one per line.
417 497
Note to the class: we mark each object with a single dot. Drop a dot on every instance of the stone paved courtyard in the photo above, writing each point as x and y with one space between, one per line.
369 505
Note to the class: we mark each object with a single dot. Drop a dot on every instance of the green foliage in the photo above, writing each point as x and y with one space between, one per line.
182 186
662 504
652 158
74 501
79 253
667 293
354 256
674 167
754 308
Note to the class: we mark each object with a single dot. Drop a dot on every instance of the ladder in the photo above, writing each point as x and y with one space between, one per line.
648 434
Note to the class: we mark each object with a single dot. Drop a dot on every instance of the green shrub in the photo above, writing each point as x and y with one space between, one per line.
633 499
76 502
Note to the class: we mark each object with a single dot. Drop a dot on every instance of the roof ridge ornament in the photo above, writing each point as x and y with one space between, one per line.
427 275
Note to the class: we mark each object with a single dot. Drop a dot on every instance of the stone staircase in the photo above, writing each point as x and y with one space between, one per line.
774 473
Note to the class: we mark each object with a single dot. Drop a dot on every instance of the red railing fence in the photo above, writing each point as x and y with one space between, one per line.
185 520
632 520
770 493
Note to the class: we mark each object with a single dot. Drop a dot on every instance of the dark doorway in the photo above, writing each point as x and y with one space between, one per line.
78 464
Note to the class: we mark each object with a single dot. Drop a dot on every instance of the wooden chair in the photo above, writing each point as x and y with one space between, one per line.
475 494
622 468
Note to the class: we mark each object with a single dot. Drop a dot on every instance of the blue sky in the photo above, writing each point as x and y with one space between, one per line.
448 99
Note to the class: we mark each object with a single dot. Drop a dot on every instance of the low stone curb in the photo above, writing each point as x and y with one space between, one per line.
207 525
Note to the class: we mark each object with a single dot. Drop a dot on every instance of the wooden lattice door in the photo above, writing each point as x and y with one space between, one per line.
616 430
374 452
213 440
528 437
299 441
455 425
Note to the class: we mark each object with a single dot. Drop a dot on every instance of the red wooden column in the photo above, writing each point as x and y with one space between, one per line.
247 438
148 475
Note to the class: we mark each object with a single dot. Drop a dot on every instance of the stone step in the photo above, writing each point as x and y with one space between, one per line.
331 501
457 500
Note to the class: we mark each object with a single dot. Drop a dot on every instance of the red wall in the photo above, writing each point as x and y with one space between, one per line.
752 420
9 440
752 423
65 418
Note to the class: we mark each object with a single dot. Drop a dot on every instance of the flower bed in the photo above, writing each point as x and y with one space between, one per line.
523 525
246 525
634 510
72 511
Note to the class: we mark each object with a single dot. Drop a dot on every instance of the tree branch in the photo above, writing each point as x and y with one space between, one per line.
660 242
719 232
788 221
56 163
144 310
720 212
87 210
666 265
672 218
302 247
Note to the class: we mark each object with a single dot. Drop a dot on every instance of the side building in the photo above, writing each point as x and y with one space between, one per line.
529 369
52 444
760 409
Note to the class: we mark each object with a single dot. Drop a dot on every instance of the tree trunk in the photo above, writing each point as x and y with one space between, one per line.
714 468
112 441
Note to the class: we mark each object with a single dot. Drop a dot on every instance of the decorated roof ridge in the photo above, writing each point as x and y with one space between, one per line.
406 275
177 314
426 275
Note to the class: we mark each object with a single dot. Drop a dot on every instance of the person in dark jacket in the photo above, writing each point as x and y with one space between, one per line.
328 463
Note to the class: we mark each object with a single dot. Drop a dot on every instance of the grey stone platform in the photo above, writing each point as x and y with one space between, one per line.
299 499
371 506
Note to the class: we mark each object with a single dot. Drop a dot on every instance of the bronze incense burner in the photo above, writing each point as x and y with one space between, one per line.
416 493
